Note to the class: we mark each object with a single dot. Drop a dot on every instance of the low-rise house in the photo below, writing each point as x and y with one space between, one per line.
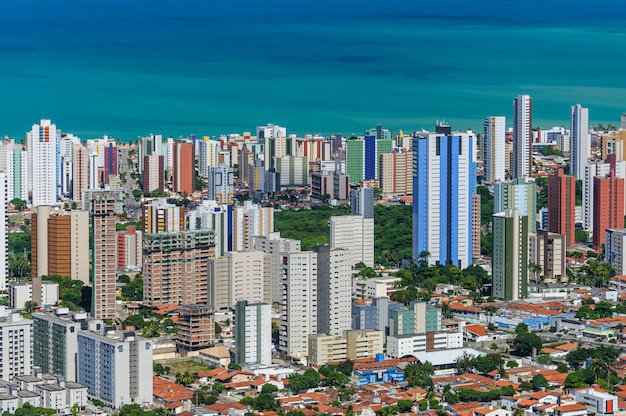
575 409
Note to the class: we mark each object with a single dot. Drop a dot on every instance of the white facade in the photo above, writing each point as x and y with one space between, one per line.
334 290
299 303
580 141
4 242
43 151
522 136
402 345
19 294
216 217
17 173
16 335
116 370
255 325
493 148
208 151
272 244
250 220
52 396
220 184
599 402
590 171
355 233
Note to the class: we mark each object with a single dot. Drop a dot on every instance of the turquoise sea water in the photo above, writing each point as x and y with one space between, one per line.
128 68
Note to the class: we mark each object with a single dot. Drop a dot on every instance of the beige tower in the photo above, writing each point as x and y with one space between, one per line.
104 253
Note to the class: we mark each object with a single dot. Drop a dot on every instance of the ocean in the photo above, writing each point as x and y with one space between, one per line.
127 68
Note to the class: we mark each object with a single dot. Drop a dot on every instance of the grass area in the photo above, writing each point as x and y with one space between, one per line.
193 367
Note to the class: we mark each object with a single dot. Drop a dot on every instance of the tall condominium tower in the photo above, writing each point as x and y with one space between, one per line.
493 149
562 205
521 194
444 180
334 290
356 234
208 151
153 172
299 303
580 142
104 253
252 324
4 265
220 183
510 255
522 136
183 175
60 243
273 245
80 174
608 206
16 337
43 148
251 220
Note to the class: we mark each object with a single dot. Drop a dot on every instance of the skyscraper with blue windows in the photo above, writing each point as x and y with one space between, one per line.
444 180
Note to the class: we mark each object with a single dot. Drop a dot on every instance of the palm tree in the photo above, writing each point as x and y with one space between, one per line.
536 269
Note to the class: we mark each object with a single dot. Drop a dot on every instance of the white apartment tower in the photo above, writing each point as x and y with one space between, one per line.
220 183
250 220
299 303
590 171
4 242
253 322
239 275
16 335
43 152
522 136
580 142
355 233
115 367
272 244
334 290
208 152
493 148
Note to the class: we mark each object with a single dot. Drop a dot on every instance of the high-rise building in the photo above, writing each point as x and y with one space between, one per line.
116 369
207 155
42 142
220 184
614 144
522 160
623 121
251 220
153 172
239 275
60 243
444 180
210 215
546 250
129 249
275 148
293 171
615 249
175 266
599 169
608 206
252 324
580 142
362 202
161 216
16 171
476 226
334 290
493 149
183 175
355 160
396 173
510 255
16 337
273 245
80 175
104 253
348 345
110 162
355 233
270 131
562 205
4 242
521 194
298 304
55 341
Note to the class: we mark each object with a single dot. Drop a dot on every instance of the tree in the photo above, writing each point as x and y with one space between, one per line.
562 368
419 374
234 366
269 388
538 382
160 369
584 312
524 344
137 193
18 204
521 328
134 289
29 306
512 364
406 405
158 193
604 309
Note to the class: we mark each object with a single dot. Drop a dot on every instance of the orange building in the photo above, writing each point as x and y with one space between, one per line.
562 206
184 174
608 206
